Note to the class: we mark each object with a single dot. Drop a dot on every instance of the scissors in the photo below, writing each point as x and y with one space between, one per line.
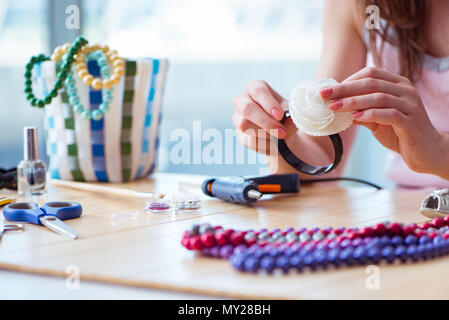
10 227
49 215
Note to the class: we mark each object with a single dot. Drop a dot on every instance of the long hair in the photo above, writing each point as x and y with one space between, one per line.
406 19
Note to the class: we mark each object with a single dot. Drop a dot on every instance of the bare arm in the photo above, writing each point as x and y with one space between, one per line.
343 54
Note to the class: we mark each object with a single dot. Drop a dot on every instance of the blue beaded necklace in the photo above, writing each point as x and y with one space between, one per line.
377 250
302 249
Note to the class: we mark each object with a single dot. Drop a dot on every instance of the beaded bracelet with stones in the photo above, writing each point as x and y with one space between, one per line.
292 249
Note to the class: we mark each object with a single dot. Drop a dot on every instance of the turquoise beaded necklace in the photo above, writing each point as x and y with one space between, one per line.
74 99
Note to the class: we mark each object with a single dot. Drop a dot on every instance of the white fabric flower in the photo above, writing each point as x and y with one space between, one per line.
311 114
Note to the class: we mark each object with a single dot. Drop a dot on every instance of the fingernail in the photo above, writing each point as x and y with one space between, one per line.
337 105
281 132
277 114
326 92
357 114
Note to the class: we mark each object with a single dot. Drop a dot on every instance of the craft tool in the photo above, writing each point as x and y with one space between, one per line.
114 191
249 190
301 166
50 215
4 200
318 120
436 204
310 249
10 227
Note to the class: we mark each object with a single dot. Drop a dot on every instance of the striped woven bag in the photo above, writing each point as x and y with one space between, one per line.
120 147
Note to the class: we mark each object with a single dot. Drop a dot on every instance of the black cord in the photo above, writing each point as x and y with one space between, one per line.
8 178
342 179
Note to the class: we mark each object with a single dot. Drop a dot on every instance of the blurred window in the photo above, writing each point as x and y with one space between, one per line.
208 30
23 29
214 48
23 33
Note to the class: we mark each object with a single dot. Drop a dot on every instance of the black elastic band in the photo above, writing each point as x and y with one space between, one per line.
8 178
306 168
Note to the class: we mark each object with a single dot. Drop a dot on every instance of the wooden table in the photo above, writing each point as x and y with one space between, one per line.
120 244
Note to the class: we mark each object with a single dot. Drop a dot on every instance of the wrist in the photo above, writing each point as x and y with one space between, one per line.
442 153
277 164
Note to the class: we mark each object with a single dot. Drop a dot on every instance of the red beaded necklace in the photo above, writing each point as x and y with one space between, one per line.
354 245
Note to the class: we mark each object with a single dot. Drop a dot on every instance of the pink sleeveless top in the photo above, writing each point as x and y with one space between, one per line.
433 87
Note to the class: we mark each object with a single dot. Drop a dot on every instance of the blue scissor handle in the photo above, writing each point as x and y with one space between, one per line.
23 211
63 210
30 212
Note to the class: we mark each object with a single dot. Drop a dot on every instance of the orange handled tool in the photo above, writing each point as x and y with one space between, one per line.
248 190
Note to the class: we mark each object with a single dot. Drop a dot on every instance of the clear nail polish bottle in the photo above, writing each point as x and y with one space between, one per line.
31 172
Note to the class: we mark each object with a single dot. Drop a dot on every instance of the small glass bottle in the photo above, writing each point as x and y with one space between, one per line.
186 203
31 172
158 204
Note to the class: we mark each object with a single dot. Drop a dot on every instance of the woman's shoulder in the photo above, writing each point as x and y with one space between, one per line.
350 13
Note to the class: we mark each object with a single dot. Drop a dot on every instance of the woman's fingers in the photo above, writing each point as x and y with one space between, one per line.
385 134
376 73
372 126
359 87
282 102
367 101
240 123
249 128
387 116
252 112
254 142
262 93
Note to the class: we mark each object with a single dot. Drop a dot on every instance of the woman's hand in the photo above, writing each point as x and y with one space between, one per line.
257 112
390 106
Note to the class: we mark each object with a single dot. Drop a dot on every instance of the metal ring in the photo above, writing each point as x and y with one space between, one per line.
306 168
14 227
